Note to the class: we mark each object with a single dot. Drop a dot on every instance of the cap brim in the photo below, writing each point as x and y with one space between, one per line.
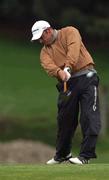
36 36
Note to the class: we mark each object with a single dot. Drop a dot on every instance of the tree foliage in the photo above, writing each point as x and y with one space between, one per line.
91 16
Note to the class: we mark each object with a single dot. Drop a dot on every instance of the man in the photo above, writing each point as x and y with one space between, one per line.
65 57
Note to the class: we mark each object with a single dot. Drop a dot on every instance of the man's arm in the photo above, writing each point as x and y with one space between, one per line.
51 68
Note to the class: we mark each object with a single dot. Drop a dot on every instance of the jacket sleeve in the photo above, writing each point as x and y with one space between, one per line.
73 40
48 64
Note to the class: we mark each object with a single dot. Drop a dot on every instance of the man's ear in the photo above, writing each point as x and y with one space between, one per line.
49 30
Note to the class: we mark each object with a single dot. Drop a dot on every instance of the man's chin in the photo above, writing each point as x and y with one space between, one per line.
47 43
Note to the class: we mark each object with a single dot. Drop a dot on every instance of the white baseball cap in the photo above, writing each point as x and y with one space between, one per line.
38 28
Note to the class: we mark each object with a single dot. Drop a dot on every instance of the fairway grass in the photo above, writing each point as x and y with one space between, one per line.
57 172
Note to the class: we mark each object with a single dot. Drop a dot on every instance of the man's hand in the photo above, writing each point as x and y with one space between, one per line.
64 75
68 72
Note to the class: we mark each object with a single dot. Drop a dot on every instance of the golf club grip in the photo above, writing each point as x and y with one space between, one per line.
65 86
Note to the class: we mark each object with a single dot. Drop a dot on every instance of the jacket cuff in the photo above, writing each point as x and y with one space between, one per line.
58 71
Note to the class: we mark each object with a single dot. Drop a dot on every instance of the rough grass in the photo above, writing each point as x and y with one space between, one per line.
55 172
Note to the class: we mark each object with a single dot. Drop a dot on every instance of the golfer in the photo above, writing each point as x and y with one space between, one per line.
65 57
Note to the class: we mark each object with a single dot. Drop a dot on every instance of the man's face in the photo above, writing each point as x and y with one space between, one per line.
46 37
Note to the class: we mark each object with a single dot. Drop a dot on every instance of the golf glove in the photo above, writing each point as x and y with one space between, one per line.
68 71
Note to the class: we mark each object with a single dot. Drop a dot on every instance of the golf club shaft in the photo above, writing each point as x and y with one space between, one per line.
65 86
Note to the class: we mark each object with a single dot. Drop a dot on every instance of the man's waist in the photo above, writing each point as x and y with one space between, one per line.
89 66
84 70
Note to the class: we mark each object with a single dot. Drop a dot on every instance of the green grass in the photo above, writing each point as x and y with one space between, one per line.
101 57
55 172
25 88
27 94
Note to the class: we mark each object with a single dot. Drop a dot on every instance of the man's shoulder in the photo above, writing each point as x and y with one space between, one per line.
68 28
44 50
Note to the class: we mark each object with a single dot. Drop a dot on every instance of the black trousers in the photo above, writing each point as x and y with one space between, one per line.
82 95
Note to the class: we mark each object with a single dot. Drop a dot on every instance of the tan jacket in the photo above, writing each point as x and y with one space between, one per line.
67 50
